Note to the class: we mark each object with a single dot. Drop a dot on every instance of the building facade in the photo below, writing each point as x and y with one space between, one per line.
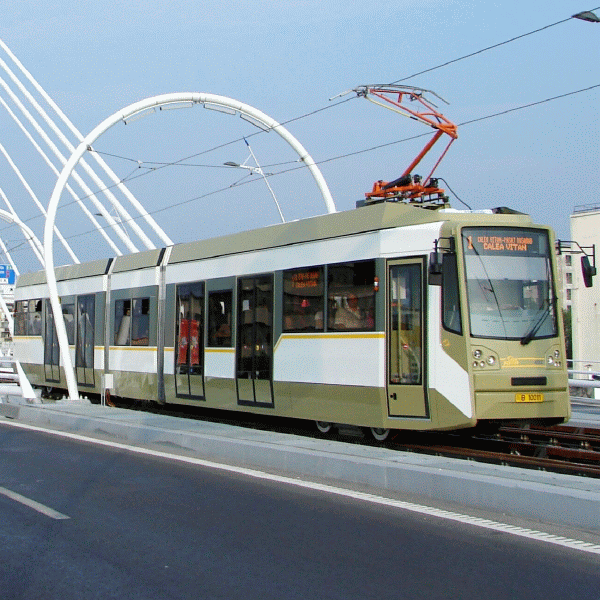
585 302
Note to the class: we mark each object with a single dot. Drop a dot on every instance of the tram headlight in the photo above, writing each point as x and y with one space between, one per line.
484 358
550 360
557 354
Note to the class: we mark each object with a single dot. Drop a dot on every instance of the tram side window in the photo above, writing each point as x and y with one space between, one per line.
132 322
68 311
303 299
34 318
28 317
452 318
351 296
21 317
219 319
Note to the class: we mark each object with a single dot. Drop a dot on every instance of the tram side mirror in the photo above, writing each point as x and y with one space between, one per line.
435 268
587 270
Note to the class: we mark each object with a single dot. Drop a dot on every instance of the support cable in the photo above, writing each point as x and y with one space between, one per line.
118 230
84 165
132 199
76 198
59 235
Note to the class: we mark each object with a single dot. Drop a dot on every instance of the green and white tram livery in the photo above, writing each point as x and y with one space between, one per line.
390 316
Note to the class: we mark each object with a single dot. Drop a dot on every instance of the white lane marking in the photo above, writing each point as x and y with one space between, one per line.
41 508
524 532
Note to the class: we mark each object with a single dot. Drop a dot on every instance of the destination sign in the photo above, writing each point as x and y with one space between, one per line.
502 241
305 279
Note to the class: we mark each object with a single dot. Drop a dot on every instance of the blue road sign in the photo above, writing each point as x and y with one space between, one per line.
7 275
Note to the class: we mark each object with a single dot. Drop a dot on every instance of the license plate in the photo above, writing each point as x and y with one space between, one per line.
529 397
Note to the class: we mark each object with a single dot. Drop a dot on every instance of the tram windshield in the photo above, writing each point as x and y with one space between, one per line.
509 280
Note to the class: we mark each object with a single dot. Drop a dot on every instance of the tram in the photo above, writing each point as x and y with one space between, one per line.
394 315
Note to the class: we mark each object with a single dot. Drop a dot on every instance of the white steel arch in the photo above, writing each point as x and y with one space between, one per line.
149 105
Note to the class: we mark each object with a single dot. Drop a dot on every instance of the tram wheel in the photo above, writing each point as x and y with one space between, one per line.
324 426
379 434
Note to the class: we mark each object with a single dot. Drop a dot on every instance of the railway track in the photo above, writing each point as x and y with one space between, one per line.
559 449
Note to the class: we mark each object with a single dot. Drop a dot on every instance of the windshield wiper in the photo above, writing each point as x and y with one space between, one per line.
536 326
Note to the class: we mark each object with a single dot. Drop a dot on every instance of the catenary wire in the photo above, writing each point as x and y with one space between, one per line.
328 160
455 60
326 107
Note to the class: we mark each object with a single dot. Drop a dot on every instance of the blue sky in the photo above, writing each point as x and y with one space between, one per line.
287 59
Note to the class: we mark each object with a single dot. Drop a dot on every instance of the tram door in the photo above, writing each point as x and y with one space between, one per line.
254 348
52 358
189 365
51 348
85 339
406 335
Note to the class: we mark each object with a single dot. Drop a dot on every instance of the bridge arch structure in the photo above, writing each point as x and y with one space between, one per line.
129 113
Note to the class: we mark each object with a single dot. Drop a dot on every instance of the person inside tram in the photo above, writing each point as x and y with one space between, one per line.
297 319
349 315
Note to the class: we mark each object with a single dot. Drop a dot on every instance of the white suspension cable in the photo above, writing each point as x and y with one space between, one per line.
75 197
9 257
123 188
84 165
12 217
38 204
99 206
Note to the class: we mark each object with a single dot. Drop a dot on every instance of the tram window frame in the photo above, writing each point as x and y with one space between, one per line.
220 322
33 319
68 309
451 304
189 354
295 316
342 292
139 313
20 317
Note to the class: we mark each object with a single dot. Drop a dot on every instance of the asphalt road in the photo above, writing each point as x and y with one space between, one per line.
141 527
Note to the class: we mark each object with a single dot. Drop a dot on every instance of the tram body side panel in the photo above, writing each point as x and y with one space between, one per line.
449 381
336 377
133 344
32 351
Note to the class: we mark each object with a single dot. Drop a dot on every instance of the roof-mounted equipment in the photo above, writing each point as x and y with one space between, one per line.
409 187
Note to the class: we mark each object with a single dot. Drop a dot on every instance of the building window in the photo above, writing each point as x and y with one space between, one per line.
569 293
569 278
568 260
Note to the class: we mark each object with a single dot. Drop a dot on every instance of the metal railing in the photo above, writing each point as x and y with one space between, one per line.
584 379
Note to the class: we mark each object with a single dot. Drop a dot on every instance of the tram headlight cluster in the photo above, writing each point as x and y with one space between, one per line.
484 358
553 359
